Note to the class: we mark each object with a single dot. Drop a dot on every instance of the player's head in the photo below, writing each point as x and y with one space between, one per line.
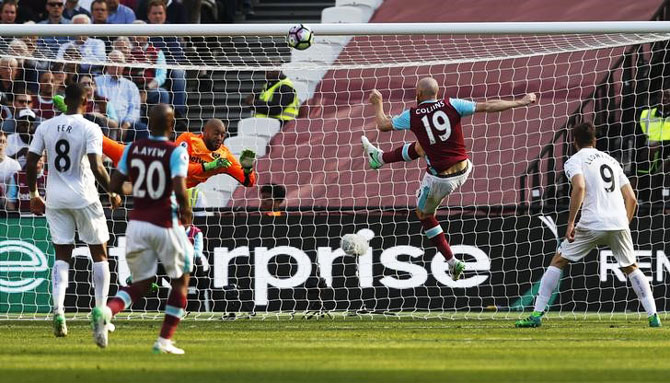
161 120
272 196
213 133
76 95
426 89
584 135
665 97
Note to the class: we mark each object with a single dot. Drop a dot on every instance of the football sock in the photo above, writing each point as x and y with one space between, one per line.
174 311
406 153
548 284
436 235
124 298
643 291
101 282
59 282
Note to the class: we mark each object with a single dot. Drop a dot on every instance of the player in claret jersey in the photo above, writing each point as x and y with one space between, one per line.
157 169
436 123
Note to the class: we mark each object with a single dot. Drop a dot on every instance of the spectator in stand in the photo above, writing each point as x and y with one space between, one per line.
60 73
119 13
272 197
174 55
8 168
17 143
51 44
175 11
123 44
9 71
18 193
100 110
91 49
278 99
8 12
72 9
99 12
43 104
21 99
125 96
655 124
150 79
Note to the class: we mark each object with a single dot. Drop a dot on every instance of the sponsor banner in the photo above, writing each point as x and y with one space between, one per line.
26 256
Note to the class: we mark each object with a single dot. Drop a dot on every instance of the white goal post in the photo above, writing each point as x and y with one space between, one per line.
504 222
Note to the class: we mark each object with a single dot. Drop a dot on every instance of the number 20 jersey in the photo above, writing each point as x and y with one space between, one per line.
68 139
603 207
437 127
151 163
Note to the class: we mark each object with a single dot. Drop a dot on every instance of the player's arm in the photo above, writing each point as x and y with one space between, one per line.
630 200
493 106
178 170
112 149
101 175
576 200
35 151
384 123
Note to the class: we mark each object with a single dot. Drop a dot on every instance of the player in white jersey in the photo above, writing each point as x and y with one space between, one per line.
609 203
74 152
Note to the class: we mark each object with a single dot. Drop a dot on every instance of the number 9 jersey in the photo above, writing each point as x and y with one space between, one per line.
68 139
151 164
437 126
603 207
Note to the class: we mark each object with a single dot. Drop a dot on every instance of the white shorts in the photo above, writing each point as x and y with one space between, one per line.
146 244
89 221
619 241
435 189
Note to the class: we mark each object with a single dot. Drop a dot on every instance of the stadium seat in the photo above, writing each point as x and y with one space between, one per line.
258 127
321 54
303 90
218 190
311 77
346 14
238 143
367 6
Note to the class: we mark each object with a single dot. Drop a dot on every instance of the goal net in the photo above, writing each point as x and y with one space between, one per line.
276 250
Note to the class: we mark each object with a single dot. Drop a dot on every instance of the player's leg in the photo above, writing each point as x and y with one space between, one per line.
377 158
92 228
584 242
176 254
62 228
621 244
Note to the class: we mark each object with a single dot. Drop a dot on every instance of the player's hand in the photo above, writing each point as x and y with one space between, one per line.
37 205
185 215
247 160
114 200
375 97
529 98
570 232
219 163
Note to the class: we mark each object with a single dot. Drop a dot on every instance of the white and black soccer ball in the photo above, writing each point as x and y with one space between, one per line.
354 244
300 37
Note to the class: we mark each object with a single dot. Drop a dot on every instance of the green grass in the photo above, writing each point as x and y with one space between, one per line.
619 349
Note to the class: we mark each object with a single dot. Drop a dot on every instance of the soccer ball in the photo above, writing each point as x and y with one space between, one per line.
300 37
354 244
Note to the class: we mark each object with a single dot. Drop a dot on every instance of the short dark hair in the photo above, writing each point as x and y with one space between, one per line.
156 3
98 2
9 2
277 192
75 92
584 134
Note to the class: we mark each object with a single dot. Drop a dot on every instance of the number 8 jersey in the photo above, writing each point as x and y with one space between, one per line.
603 207
151 163
67 140
437 126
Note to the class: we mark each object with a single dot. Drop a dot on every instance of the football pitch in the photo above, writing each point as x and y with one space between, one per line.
367 349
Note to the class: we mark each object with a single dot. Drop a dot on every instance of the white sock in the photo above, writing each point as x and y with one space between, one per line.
101 282
59 282
548 284
643 291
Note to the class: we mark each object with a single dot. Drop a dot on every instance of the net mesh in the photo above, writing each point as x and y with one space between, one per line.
504 222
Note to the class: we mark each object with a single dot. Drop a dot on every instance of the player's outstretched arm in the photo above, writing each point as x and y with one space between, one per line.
502 105
576 200
181 194
36 202
101 175
112 149
629 200
384 123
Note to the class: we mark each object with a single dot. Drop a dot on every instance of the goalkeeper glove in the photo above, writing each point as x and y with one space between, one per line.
219 163
59 103
247 159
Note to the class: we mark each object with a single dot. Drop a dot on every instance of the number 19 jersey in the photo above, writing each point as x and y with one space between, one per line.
151 164
603 207
68 139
